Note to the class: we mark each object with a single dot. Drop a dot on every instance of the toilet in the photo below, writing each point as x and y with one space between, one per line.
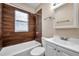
38 51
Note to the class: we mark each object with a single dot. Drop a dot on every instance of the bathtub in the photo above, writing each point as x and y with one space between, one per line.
22 49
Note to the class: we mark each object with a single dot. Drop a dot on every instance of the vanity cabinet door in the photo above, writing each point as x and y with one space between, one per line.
61 53
50 51
64 54
69 52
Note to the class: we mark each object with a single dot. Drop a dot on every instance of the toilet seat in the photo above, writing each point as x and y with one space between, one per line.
38 51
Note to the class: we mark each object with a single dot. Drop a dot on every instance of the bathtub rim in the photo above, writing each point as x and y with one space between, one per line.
12 54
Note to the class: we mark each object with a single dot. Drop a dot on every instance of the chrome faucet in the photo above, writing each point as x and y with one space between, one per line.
64 38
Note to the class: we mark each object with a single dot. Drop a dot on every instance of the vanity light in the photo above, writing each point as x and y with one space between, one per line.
56 5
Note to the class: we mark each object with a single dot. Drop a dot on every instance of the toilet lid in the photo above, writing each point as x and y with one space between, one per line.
37 51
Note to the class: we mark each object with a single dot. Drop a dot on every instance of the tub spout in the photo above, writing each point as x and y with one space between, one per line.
0 49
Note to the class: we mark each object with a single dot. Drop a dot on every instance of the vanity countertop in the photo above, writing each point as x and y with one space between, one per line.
66 44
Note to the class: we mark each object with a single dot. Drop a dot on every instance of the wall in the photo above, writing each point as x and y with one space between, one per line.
9 36
68 32
0 25
46 11
47 25
22 6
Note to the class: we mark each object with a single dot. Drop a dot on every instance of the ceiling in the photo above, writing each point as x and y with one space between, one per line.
33 5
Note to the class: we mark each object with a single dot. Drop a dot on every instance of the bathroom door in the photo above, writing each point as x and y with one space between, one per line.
39 25
0 26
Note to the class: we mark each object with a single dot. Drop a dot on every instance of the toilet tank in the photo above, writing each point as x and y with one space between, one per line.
44 42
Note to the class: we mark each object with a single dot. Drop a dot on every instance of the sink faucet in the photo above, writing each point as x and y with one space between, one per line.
64 38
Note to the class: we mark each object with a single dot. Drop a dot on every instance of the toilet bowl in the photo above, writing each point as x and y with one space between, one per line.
38 51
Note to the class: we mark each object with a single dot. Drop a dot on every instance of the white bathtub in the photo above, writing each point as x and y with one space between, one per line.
22 49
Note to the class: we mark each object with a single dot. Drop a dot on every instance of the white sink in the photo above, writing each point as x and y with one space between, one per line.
71 40
74 40
59 40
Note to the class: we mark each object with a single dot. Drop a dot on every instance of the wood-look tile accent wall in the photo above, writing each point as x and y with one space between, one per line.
9 36
0 25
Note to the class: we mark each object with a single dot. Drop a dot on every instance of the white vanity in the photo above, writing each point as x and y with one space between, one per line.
58 47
